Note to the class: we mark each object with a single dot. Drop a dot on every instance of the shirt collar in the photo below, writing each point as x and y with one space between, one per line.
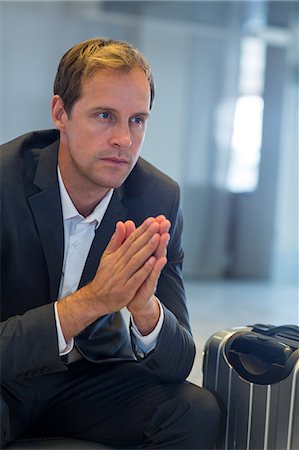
69 211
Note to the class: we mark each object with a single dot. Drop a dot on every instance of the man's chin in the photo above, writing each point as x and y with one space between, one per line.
113 183
116 182
113 179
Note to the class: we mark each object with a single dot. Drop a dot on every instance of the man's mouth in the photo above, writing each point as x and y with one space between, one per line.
114 160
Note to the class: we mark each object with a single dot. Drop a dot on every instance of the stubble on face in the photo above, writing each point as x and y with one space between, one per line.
101 139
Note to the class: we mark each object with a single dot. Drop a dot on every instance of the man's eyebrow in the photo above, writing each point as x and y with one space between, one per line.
145 114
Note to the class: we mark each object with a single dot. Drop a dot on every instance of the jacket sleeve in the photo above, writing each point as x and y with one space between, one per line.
173 357
29 347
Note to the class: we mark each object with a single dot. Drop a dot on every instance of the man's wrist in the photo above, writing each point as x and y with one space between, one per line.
144 344
147 319
77 311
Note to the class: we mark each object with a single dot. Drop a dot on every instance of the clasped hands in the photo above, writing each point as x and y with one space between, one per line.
127 276
130 268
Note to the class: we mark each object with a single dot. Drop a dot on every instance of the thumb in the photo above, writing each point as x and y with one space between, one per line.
117 238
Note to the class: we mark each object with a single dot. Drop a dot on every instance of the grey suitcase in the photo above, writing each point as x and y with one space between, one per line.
254 372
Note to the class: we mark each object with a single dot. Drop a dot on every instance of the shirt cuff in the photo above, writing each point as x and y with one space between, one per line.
145 344
63 346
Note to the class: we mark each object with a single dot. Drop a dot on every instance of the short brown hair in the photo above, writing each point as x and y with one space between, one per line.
85 58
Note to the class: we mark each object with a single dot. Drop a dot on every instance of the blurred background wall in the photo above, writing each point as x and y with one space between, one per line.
225 119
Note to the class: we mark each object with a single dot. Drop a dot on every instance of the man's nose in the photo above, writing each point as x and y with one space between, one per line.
121 137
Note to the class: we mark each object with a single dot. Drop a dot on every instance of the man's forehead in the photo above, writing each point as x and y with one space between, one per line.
112 74
112 83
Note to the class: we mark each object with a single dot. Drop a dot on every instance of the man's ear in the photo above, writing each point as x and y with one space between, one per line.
59 114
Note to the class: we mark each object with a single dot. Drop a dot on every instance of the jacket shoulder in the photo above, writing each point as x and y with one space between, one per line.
149 176
21 152
34 139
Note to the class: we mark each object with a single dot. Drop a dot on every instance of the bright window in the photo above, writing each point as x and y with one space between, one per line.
246 144
246 140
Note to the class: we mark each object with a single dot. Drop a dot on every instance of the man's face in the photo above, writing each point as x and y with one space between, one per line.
102 136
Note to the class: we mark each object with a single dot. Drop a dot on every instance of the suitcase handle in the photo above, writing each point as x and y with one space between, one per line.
260 359
284 331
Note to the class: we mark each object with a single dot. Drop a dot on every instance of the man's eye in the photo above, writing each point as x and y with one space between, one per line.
137 120
104 115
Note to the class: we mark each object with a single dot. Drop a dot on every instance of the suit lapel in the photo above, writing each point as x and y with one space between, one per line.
116 211
47 213
46 209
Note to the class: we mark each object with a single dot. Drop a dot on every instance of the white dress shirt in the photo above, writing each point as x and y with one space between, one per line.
79 233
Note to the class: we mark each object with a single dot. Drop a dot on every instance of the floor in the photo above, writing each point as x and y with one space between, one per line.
215 305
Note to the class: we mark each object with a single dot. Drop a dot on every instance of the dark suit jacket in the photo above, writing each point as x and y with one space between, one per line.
32 247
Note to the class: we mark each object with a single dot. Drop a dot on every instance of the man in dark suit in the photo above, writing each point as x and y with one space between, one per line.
89 229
